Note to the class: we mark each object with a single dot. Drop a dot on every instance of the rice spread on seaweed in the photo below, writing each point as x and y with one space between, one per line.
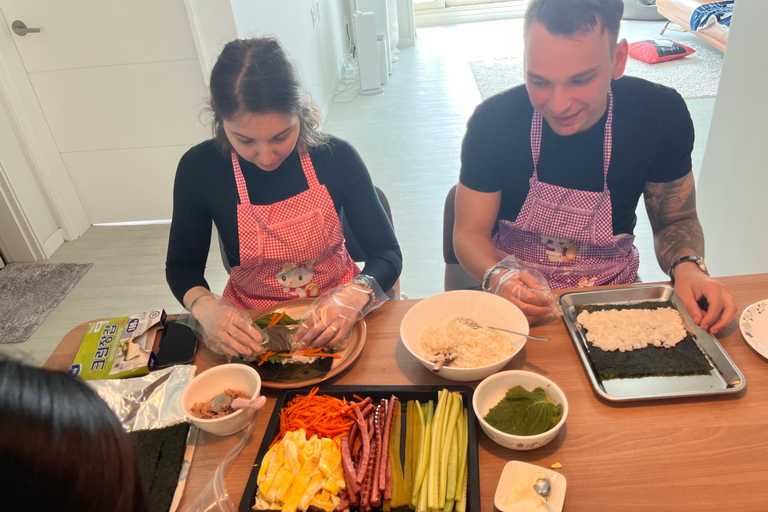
685 358
630 329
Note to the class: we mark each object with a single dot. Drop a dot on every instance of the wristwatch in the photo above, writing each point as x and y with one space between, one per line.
691 257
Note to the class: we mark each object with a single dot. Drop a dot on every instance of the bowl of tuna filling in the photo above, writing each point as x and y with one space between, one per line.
236 380
436 332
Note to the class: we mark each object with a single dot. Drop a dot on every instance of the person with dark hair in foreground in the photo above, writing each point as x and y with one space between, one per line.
561 162
275 186
61 446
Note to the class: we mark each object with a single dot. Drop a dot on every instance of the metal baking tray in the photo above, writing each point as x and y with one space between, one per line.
724 377
404 394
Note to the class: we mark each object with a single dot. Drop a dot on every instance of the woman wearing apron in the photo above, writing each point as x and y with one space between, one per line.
275 187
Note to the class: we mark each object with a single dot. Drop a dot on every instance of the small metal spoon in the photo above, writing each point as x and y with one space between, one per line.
542 488
471 323
224 402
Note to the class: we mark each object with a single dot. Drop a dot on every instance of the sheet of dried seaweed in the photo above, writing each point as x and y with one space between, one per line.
686 358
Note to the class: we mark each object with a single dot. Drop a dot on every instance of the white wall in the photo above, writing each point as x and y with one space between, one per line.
733 185
213 26
318 51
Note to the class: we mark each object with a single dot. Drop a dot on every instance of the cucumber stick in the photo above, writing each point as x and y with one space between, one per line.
436 467
461 504
438 427
463 423
418 460
426 421
452 466
447 456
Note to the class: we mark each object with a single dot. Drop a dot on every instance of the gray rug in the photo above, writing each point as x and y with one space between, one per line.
29 292
695 76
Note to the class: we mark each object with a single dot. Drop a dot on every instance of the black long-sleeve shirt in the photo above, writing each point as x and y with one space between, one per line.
205 191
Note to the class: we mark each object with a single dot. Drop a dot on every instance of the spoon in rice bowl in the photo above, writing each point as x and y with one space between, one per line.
474 325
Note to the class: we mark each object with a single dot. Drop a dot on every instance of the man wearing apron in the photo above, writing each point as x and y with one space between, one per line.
558 166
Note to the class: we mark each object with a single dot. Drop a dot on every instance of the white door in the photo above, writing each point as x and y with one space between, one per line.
28 228
121 89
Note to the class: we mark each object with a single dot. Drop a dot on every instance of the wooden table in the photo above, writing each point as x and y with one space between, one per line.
708 453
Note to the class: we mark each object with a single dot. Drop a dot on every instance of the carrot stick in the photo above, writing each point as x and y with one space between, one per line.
275 319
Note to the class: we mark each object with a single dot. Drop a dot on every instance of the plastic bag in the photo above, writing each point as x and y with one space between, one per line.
223 328
214 497
525 287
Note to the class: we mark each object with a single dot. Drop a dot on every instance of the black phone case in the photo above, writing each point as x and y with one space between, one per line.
177 346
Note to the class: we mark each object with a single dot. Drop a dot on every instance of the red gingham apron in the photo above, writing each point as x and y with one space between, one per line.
567 234
291 249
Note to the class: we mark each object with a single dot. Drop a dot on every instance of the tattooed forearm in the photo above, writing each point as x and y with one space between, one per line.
672 212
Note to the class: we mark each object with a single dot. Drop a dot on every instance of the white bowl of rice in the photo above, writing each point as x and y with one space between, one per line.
431 332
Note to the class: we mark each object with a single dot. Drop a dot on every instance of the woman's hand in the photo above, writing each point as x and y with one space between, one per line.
332 316
226 329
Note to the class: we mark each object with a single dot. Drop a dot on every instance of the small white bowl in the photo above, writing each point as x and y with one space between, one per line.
490 392
484 308
214 382
516 470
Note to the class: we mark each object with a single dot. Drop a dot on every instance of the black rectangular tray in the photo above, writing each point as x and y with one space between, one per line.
404 394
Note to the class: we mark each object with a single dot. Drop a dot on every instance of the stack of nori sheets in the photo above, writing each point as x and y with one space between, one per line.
685 358
160 455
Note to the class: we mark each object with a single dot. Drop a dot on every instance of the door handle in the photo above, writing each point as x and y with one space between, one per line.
20 28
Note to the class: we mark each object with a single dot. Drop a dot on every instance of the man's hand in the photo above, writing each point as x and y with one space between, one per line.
672 211
527 293
692 285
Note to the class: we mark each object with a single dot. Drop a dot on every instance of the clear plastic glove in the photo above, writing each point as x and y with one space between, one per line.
224 328
524 287
333 314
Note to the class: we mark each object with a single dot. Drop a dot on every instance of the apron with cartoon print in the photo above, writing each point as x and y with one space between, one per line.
567 234
291 249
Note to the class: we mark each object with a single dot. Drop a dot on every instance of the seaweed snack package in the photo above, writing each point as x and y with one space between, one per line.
118 348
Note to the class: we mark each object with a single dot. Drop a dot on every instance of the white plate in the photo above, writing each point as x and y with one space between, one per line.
754 326
516 470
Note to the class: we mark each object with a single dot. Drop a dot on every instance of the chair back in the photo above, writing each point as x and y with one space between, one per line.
456 278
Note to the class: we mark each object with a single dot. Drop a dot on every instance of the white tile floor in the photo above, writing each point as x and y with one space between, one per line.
410 138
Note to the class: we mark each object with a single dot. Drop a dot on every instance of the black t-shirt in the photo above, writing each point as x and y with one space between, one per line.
652 142
205 191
